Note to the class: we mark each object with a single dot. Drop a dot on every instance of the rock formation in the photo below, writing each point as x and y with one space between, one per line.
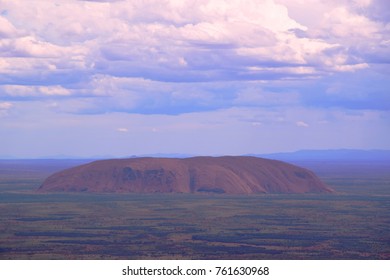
228 174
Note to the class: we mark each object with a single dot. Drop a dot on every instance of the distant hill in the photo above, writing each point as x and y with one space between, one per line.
35 168
228 174
331 155
340 163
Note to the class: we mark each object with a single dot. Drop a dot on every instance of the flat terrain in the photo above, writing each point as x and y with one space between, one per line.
354 223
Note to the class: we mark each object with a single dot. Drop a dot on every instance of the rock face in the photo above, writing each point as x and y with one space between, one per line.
228 174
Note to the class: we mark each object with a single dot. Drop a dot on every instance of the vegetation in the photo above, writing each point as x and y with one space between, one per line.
351 224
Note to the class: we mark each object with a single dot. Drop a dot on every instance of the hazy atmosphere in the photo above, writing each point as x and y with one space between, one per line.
120 78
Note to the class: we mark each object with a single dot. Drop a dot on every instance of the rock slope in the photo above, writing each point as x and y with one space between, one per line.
228 174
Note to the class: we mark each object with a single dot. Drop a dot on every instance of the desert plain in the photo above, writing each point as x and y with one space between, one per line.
353 222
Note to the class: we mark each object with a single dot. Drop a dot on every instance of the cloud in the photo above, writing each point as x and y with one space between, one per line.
29 47
216 67
361 90
122 129
21 92
301 124
54 90
7 29
184 41
4 107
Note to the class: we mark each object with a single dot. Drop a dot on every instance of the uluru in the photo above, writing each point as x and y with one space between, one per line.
227 174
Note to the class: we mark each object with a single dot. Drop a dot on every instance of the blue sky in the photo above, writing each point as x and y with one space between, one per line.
120 78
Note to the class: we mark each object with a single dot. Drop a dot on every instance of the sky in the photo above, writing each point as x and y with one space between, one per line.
120 78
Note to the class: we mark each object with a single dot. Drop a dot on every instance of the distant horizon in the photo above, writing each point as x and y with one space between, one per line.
309 152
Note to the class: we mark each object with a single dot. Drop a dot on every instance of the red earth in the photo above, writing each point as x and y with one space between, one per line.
227 174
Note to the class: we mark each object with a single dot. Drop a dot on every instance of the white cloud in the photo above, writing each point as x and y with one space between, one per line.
351 68
122 129
352 25
7 29
4 65
18 91
15 90
263 13
362 3
147 38
343 23
301 124
30 46
5 105
155 56
220 76
54 90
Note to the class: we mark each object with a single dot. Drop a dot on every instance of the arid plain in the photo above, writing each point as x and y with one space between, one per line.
352 223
